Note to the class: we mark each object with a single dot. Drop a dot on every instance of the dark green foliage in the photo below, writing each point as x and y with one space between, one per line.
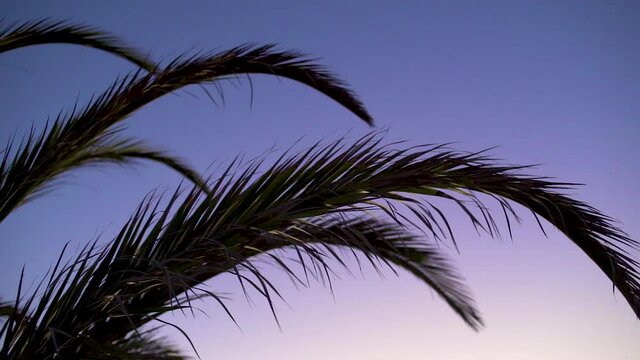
43 32
89 136
330 204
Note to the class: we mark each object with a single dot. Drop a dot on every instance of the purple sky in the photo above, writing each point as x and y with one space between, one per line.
550 82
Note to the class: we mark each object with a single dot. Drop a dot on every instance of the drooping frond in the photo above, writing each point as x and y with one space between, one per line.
156 266
31 168
334 196
46 31
337 178
104 296
79 138
389 242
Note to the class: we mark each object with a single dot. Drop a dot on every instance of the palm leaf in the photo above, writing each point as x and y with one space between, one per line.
72 139
333 179
46 31
151 268
309 203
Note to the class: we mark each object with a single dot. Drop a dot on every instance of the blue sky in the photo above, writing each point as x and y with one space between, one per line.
549 82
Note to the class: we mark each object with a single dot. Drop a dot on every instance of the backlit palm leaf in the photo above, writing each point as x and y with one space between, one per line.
46 31
333 195
77 138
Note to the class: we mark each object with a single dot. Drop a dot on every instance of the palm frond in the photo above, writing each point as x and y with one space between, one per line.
338 179
157 263
32 168
313 204
22 330
46 31
74 139
388 242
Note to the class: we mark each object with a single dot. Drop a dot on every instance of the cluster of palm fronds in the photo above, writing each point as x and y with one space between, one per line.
359 196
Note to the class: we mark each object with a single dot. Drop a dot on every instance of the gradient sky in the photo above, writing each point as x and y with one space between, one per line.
550 82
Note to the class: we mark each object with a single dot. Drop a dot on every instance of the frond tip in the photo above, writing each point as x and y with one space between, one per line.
61 32
394 245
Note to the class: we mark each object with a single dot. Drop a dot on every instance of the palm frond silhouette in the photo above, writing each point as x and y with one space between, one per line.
333 203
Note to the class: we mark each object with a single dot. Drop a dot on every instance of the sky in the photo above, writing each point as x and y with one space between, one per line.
549 82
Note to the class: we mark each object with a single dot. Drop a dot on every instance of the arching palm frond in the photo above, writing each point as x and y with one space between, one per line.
313 203
87 136
98 302
39 159
46 31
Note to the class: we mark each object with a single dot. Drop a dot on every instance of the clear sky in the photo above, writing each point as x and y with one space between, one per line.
550 82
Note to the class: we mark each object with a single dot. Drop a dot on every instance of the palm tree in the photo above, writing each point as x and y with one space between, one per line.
361 196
